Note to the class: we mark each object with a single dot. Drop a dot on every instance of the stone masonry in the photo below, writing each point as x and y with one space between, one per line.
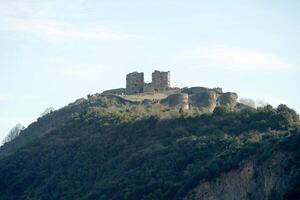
184 98
160 80
135 83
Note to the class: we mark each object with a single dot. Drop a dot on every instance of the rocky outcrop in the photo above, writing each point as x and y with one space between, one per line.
206 99
228 99
195 90
180 101
202 97
267 180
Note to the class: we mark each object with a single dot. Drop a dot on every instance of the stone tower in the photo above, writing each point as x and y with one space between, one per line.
135 83
160 80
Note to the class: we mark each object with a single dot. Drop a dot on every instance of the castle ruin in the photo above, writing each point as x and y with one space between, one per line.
160 80
179 98
135 82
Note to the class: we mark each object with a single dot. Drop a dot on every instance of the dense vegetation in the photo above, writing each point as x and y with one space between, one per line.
130 155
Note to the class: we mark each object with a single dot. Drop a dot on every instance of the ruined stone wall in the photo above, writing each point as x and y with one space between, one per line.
148 87
118 91
135 83
161 80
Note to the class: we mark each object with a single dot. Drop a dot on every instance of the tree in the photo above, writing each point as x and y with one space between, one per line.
221 110
248 102
252 103
290 114
13 133
261 103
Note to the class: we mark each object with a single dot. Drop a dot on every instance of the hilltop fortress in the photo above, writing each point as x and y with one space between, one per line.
160 91
135 82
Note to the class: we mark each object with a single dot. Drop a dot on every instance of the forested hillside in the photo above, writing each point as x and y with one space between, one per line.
121 153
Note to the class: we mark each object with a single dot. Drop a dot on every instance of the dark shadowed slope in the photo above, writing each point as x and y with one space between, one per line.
98 154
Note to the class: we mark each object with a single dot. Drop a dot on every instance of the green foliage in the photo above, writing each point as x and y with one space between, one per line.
127 153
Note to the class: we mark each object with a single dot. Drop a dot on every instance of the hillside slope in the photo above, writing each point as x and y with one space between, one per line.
53 120
108 151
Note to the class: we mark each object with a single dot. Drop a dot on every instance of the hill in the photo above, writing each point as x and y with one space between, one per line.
110 147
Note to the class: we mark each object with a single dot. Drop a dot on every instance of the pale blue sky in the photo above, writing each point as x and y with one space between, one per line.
55 51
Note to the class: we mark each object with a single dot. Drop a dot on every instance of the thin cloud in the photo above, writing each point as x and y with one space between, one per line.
54 30
41 9
240 59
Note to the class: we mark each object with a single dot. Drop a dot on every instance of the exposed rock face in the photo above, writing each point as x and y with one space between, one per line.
194 90
228 99
204 99
218 90
252 181
180 101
